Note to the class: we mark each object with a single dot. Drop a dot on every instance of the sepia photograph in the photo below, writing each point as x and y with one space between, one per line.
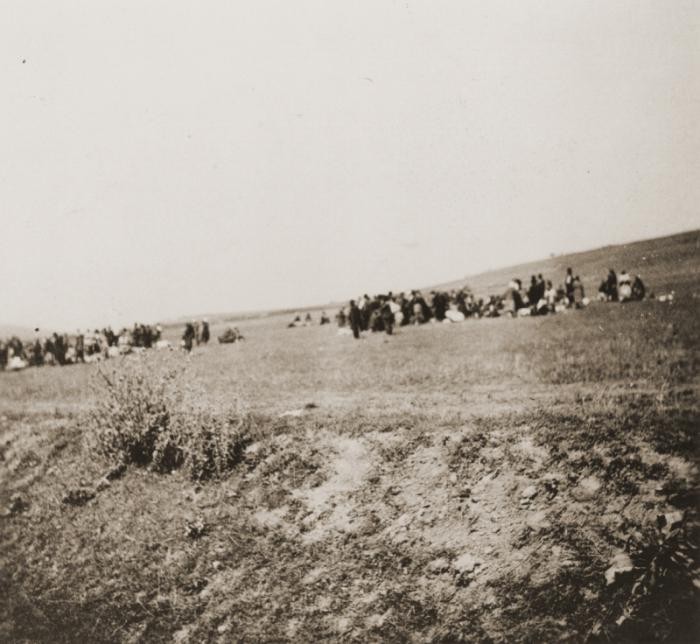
364 321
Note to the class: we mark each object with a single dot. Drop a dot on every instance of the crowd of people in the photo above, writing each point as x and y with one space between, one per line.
383 313
92 346
195 333
621 289
88 346
308 320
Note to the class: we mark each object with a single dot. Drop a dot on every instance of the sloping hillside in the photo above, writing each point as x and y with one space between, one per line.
527 480
664 263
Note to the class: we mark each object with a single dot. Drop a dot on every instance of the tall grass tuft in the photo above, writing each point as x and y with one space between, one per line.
145 414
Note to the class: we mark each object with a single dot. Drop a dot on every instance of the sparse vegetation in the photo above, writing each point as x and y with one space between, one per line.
475 482
145 414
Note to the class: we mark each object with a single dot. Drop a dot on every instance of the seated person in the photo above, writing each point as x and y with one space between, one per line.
624 287
638 289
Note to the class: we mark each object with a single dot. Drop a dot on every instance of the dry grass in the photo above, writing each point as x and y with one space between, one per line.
348 521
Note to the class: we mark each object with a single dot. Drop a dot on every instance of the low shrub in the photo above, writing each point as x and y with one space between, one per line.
146 415
210 444
659 599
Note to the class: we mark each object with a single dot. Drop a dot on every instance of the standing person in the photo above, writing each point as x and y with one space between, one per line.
111 336
355 317
511 299
205 331
612 285
532 292
388 317
364 311
79 347
188 336
578 293
59 348
3 356
541 287
49 351
440 305
37 353
569 285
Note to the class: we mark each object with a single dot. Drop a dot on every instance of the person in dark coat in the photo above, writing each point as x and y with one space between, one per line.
569 285
60 348
80 347
388 317
205 331
355 318
532 291
638 288
188 336
440 305
541 287
37 354
578 293
611 290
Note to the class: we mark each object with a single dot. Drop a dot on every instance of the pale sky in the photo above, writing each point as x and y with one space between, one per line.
169 158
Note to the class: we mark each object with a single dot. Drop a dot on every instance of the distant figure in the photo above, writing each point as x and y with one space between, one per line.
550 295
37 357
388 317
341 318
307 320
569 285
295 322
638 289
230 335
188 337
80 347
49 352
325 319
612 286
541 287
532 291
365 312
355 317
511 299
60 348
578 293
440 305
205 331
624 287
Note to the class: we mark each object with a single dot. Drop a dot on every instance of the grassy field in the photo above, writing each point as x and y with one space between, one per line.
497 480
